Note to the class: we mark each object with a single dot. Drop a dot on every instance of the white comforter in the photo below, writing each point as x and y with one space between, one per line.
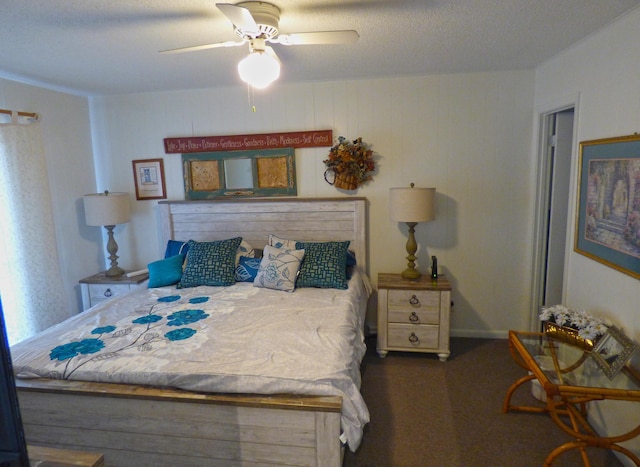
239 339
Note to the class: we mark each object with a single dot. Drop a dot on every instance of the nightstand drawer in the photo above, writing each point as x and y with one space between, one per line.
408 316
413 337
414 300
98 292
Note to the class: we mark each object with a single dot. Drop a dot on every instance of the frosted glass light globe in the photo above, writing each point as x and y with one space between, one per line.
259 69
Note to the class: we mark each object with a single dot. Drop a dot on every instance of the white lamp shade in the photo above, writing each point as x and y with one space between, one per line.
412 204
259 68
107 209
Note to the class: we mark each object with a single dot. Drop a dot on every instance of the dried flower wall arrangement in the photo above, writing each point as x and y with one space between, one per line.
349 164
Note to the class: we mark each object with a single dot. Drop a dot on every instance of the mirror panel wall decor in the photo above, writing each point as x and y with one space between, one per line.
264 172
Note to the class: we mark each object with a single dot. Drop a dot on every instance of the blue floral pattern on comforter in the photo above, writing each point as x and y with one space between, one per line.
146 329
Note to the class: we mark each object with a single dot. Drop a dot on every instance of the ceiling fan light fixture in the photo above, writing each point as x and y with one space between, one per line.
259 69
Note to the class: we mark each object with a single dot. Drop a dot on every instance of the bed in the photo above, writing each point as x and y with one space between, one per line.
264 419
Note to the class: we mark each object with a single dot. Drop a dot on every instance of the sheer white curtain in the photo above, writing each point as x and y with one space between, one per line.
30 281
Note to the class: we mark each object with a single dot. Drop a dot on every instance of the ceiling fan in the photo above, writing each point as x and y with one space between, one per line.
257 23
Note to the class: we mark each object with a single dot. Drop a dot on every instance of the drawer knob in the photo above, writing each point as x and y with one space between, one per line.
413 317
108 293
414 301
413 338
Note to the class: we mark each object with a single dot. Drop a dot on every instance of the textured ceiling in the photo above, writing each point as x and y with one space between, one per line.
94 47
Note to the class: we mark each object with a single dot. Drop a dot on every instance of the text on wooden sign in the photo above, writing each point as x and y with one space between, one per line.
295 139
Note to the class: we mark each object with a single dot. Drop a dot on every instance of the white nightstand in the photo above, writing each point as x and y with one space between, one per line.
413 316
100 287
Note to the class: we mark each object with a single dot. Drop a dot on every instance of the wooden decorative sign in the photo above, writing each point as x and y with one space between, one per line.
295 139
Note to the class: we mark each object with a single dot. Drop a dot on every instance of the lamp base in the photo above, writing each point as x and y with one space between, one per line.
114 271
112 249
411 274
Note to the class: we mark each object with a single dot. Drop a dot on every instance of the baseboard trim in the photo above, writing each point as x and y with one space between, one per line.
479 334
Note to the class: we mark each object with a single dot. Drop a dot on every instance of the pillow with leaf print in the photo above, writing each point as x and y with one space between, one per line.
211 263
278 268
279 242
245 249
247 269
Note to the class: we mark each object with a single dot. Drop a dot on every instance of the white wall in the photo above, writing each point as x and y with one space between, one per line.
67 145
603 70
469 135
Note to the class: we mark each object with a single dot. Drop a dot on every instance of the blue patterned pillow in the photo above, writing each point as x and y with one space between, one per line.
324 265
291 245
175 247
165 271
211 263
278 269
247 269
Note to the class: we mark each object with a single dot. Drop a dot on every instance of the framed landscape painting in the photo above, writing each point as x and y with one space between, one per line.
608 216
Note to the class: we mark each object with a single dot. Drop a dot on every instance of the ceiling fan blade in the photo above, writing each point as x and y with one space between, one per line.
320 37
240 17
193 48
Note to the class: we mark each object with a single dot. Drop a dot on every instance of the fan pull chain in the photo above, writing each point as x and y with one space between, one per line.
250 96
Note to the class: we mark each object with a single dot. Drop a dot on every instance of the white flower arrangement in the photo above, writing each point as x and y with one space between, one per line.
588 326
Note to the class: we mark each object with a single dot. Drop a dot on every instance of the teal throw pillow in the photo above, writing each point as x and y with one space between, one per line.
324 265
211 263
165 271
278 269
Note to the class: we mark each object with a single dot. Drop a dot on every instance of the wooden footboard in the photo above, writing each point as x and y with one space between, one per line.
140 426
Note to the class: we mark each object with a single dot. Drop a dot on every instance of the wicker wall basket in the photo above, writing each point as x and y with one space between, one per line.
341 180
345 182
566 334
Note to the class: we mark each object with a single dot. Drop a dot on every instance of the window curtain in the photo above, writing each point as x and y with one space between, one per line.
30 281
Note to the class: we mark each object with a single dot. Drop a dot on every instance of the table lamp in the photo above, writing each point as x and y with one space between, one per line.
108 209
412 205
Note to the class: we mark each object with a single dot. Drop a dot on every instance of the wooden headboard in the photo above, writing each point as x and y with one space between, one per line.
304 219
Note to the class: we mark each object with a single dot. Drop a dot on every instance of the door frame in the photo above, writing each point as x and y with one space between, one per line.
542 201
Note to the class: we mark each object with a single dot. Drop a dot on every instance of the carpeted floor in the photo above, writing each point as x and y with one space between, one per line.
428 413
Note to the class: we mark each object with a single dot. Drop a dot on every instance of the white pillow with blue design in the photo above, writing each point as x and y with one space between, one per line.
245 249
279 268
279 242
